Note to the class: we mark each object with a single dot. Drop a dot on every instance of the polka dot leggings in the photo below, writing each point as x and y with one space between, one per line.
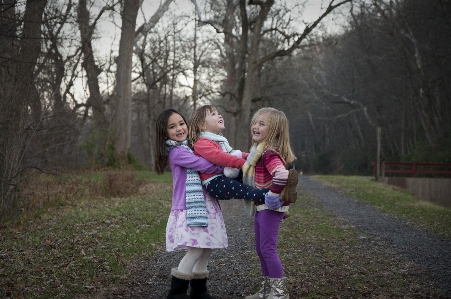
226 188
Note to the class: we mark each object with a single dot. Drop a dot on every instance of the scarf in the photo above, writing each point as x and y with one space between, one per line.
196 210
248 168
223 142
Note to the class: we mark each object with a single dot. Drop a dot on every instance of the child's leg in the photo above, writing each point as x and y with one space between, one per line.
190 259
226 188
268 226
257 232
198 283
202 262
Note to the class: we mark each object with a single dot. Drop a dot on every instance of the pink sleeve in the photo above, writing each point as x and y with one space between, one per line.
275 166
212 152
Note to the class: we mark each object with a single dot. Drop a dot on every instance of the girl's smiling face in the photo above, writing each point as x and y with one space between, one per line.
177 129
260 129
214 123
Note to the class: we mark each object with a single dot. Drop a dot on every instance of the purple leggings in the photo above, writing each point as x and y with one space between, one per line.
266 229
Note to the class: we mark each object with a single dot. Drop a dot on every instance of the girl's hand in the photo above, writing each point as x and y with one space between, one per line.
272 200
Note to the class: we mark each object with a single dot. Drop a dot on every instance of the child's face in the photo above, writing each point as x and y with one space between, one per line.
177 129
260 129
214 123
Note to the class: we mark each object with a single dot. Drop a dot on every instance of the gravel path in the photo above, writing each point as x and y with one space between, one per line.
229 268
235 270
413 243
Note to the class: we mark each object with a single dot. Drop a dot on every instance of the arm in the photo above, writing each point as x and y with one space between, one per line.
276 167
212 152
184 158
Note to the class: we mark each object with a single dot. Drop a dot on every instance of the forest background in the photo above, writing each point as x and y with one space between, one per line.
70 100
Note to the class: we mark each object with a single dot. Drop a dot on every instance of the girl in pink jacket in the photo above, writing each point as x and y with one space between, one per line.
206 126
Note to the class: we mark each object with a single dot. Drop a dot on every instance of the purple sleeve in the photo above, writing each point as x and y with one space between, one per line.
184 158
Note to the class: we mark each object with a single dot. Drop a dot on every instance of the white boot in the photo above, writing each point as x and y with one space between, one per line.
264 291
278 288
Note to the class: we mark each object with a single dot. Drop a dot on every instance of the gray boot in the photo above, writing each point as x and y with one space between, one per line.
264 291
278 288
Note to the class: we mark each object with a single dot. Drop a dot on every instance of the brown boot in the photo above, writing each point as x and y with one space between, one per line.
289 193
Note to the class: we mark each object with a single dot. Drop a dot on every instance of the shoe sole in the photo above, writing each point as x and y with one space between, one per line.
290 194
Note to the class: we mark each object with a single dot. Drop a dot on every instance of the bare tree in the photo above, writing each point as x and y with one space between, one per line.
122 117
251 54
15 102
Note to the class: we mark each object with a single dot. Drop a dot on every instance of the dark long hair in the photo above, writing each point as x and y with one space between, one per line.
161 135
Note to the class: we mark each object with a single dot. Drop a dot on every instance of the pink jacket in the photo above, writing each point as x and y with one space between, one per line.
212 151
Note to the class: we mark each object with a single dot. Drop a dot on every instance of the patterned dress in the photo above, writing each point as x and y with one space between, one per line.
180 236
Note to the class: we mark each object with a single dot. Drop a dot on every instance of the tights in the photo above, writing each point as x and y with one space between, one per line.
195 260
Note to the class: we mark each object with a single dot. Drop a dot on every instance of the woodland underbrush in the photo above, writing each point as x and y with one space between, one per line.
40 191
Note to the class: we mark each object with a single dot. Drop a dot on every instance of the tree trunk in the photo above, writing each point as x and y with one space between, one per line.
17 102
251 90
122 90
230 89
90 66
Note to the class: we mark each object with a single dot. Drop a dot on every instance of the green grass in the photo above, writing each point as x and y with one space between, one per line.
70 250
395 201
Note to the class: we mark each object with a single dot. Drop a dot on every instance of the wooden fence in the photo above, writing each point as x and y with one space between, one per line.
412 169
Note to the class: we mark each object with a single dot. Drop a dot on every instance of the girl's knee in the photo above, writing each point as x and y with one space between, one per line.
195 253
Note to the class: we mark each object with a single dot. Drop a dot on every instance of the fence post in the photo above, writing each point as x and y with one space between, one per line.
378 158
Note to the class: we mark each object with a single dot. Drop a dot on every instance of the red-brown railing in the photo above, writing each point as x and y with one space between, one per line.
412 169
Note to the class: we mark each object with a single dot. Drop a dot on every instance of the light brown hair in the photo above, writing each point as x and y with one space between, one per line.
197 121
278 137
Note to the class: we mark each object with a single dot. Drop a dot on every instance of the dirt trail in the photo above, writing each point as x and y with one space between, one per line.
415 244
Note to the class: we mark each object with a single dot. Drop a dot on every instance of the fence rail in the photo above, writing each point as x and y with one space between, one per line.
412 169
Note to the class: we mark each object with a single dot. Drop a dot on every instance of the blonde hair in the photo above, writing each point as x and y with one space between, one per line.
197 121
278 137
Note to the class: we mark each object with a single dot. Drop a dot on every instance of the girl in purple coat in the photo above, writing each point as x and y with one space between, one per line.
195 223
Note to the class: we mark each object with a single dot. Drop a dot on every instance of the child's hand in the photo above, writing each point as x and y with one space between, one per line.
272 200
237 153
231 172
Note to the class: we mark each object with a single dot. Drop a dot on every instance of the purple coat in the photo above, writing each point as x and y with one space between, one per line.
179 160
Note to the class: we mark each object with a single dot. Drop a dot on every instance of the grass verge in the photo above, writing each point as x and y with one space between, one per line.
78 244
395 201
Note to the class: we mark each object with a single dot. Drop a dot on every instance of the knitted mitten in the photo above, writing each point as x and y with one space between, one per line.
272 200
